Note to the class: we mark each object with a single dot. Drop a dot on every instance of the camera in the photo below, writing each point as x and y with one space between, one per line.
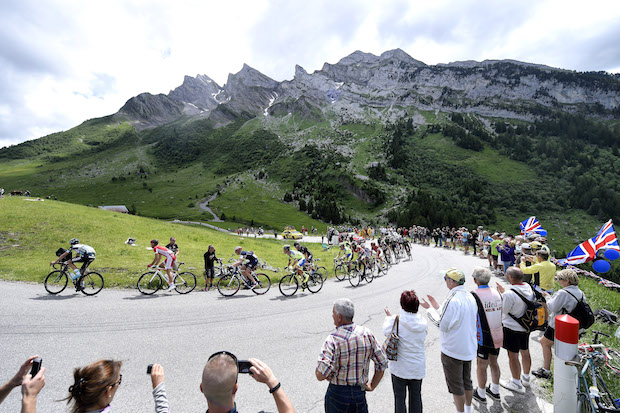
244 367
36 366
149 368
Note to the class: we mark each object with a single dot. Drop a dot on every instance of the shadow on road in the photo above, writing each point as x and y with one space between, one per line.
286 297
50 297
142 297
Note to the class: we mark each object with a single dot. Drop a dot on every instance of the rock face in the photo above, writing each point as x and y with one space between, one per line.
503 88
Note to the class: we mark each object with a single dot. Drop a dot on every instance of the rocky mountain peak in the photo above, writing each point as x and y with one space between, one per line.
300 72
401 56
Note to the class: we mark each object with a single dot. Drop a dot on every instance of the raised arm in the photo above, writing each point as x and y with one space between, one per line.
263 374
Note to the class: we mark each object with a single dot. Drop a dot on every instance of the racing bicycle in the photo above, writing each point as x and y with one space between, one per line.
89 283
229 284
152 281
289 284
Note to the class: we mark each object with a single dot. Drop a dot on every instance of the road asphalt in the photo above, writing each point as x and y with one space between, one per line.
181 331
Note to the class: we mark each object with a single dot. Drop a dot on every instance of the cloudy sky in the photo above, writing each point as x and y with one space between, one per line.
65 61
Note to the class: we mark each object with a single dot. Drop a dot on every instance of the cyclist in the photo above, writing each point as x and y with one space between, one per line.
304 250
297 260
169 259
347 253
247 263
84 254
377 251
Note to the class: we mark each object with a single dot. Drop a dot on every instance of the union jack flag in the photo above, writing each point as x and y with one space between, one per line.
586 251
530 225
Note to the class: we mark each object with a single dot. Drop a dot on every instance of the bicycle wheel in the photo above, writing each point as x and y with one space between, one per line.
228 285
185 282
583 403
56 281
354 277
315 282
149 283
322 271
341 272
382 268
613 362
263 284
368 275
289 284
91 283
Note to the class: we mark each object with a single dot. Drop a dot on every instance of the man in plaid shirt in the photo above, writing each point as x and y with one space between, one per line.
345 362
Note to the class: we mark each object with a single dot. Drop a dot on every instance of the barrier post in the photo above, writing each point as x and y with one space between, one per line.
565 377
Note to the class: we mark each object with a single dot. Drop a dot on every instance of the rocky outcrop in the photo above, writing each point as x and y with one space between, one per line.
363 81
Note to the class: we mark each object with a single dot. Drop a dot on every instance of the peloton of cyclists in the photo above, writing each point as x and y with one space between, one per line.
248 261
169 261
84 254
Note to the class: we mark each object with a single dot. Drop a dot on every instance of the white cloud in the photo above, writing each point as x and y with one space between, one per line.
68 60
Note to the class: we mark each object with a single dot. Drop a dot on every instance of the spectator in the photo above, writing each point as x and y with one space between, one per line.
494 252
410 368
543 270
345 362
516 338
507 252
210 259
562 302
172 246
94 386
457 336
31 386
490 334
219 383
159 391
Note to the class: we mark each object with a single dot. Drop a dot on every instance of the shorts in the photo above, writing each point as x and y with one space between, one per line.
169 262
549 333
301 262
495 257
349 257
485 352
458 375
514 341
251 265
210 272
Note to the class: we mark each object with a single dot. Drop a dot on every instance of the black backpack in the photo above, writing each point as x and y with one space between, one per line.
582 312
536 315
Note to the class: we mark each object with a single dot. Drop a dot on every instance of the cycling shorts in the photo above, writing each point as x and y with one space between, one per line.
349 256
169 262
301 262
251 264
84 258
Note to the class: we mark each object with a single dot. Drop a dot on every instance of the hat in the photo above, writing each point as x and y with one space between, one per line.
536 245
456 275
526 246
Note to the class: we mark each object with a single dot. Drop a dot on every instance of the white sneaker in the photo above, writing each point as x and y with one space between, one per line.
511 385
524 381
171 287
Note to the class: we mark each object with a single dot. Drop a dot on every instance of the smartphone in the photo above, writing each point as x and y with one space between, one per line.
36 366
148 369
244 367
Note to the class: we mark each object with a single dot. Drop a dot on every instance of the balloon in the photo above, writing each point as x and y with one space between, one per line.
542 233
601 266
612 254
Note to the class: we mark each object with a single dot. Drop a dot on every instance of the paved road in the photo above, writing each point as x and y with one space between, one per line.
180 332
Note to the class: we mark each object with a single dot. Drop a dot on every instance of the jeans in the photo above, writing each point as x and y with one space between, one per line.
345 399
400 387
506 264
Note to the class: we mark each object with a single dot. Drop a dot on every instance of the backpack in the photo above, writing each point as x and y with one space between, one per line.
535 316
582 313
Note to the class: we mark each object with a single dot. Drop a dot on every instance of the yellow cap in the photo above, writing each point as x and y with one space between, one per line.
456 275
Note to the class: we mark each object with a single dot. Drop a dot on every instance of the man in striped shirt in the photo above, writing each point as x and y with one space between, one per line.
345 362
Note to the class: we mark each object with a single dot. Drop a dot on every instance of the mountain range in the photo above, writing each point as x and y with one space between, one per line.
370 139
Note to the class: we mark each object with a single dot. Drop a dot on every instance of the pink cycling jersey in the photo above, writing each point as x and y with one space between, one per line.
170 257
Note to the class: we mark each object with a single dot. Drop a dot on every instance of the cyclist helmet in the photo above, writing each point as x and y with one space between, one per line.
74 241
286 247
238 248
296 244
154 242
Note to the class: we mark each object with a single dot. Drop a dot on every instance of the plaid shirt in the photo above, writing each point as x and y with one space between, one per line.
346 354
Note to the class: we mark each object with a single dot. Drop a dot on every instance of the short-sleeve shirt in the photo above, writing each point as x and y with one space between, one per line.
346 355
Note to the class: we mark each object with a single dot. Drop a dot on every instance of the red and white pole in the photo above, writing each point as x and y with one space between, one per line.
565 377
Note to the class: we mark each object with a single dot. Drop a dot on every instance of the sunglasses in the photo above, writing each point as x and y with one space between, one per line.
227 353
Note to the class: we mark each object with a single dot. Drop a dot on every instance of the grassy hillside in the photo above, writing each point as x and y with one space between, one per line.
33 230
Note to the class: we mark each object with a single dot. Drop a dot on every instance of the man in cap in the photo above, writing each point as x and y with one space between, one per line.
457 335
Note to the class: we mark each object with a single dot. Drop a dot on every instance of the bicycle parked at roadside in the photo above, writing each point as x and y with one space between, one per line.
593 395
89 283
289 284
155 280
229 284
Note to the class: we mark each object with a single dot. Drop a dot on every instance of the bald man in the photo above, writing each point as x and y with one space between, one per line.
219 383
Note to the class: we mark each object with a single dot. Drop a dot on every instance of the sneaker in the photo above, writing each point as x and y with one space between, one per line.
511 385
479 398
491 394
524 381
171 287
542 373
